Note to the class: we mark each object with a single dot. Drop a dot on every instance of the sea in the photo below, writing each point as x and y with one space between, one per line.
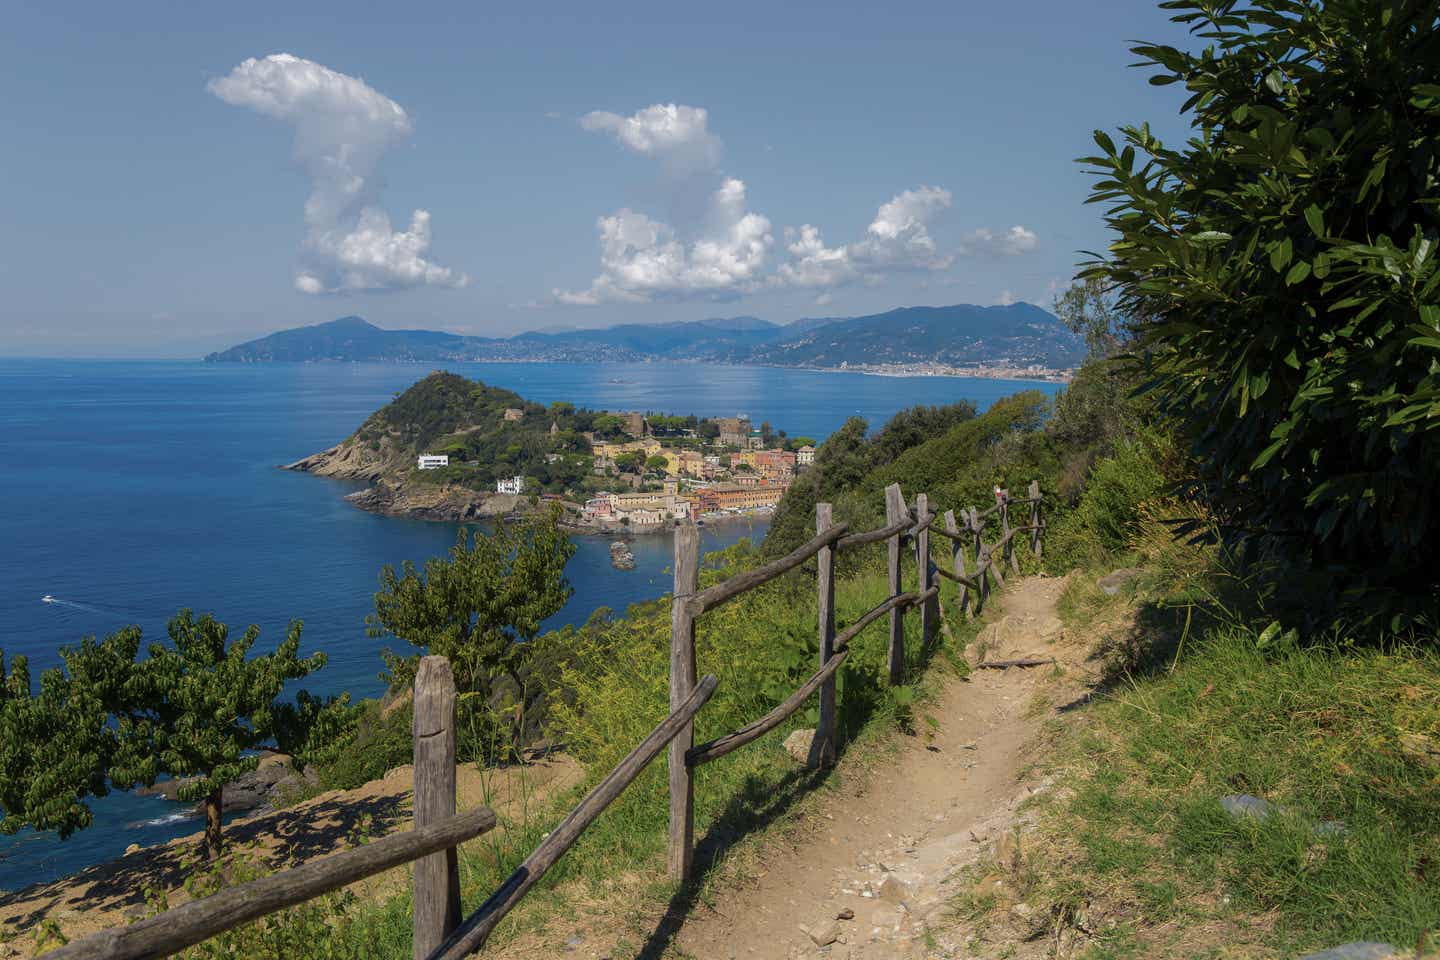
132 489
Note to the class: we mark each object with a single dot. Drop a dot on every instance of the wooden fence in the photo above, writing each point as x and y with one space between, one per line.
439 931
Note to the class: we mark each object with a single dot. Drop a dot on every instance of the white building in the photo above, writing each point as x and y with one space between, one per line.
432 461
514 485
805 456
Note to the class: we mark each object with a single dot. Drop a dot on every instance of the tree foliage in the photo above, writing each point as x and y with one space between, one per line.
1283 265
481 605
196 709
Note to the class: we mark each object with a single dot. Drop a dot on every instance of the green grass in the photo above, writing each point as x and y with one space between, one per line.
1319 732
761 646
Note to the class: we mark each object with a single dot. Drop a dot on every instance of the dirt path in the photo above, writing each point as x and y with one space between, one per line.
890 855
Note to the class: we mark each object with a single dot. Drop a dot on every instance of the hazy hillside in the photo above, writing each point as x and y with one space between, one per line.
961 335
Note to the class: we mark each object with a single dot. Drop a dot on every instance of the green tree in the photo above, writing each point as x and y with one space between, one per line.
1282 267
55 749
1090 307
198 708
483 604
657 464
608 426
632 462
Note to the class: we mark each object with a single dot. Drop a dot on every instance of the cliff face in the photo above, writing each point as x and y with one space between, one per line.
349 460
429 502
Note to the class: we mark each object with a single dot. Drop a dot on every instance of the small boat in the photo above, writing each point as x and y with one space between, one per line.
47 599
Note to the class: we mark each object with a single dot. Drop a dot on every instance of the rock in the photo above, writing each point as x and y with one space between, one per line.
824 933
1360 950
1114 581
133 848
1244 805
894 889
798 745
1420 748
846 914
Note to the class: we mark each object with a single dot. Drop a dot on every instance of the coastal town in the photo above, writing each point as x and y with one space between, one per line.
655 470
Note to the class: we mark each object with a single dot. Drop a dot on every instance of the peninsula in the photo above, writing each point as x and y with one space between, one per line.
454 449
1017 340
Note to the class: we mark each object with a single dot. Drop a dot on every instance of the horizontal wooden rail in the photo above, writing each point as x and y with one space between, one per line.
962 535
188 924
470 935
712 597
971 582
717 748
985 513
874 536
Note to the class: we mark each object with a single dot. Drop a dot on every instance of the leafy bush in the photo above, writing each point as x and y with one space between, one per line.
1281 270
1110 510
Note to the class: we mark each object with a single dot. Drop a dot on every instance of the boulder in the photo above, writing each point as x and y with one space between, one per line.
1114 581
824 933
1244 805
798 745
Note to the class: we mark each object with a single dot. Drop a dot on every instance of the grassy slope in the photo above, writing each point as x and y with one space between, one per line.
1137 849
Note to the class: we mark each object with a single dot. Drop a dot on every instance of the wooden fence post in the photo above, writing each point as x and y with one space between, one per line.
437 876
1035 545
822 748
930 609
894 511
982 569
957 557
1005 533
682 682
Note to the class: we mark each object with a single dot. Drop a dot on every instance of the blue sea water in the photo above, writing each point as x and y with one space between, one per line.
131 489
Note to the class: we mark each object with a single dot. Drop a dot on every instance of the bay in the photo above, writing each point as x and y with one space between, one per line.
130 489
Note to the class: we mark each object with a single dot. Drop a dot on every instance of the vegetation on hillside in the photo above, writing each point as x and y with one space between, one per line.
1280 272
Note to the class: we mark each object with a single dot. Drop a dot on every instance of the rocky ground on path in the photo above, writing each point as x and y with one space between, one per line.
879 876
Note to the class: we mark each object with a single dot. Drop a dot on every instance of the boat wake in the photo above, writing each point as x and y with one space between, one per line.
75 605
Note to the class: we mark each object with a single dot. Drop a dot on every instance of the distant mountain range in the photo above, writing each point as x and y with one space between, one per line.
964 335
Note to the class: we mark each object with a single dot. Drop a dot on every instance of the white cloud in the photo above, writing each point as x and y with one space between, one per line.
643 259
897 239
1012 243
342 129
824 300
675 134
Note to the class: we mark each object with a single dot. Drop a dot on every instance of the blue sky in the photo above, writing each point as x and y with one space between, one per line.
579 166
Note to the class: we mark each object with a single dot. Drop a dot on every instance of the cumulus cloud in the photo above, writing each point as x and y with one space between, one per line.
675 134
897 239
342 129
643 259
1011 243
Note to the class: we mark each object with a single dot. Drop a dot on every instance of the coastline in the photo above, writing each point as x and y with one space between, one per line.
900 370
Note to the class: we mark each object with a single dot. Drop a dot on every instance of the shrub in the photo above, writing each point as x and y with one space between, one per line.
1281 270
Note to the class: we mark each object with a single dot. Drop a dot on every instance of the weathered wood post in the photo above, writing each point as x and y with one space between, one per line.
1005 532
682 682
822 749
437 876
957 557
895 511
1035 545
930 609
982 569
